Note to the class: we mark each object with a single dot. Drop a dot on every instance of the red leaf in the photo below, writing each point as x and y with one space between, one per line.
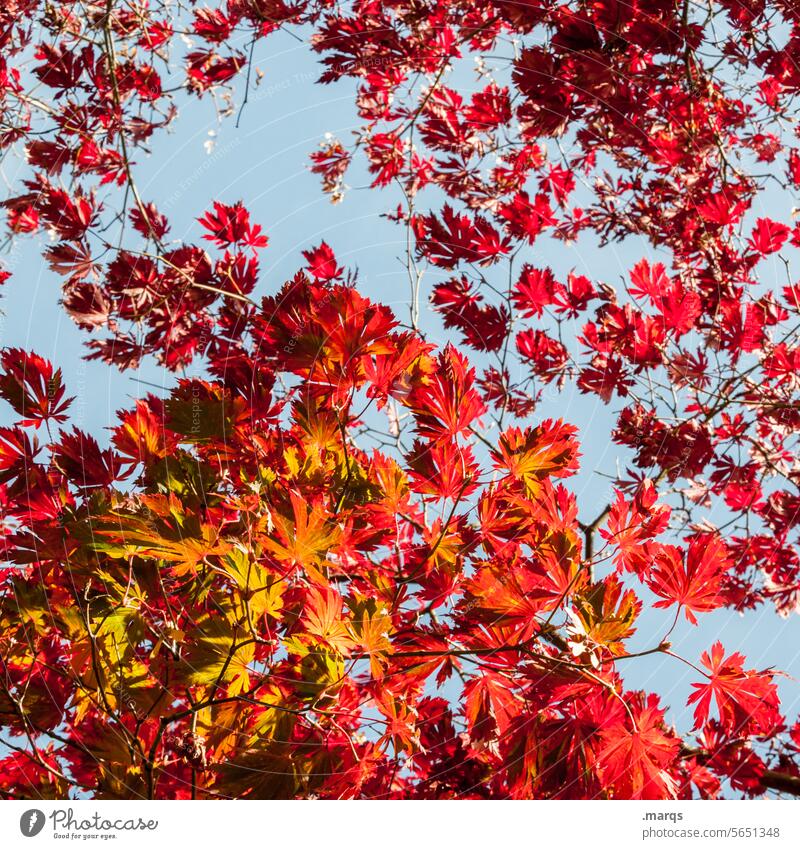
489 706
443 469
526 220
693 582
32 387
631 524
534 291
484 326
548 450
634 763
547 355
229 225
648 280
78 455
458 238
768 236
449 404
322 263
151 223
747 700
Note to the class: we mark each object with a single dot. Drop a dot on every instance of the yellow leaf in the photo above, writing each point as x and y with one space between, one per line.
322 619
305 538
607 614
371 628
219 651
262 590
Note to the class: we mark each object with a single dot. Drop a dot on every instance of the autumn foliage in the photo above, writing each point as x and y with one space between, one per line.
347 561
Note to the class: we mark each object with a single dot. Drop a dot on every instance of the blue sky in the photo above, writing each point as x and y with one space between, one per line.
264 163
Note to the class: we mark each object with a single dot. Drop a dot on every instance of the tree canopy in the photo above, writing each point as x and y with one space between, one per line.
347 560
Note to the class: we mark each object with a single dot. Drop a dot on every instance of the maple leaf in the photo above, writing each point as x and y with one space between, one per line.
169 538
648 280
261 589
458 238
483 326
633 523
322 619
680 308
443 469
547 355
17 452
489 107
634 763
447 403
747 700
394 373
768 236
79 456
322 263
561 182
149 221
213 25
605 615
140 436
534 290
71 260
721 208
489 706
219 654
303 536
206 69
526 220
605 375
372 629
330 335
229 225
549 449
693 581
573 297
400 727
32 387
514 592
